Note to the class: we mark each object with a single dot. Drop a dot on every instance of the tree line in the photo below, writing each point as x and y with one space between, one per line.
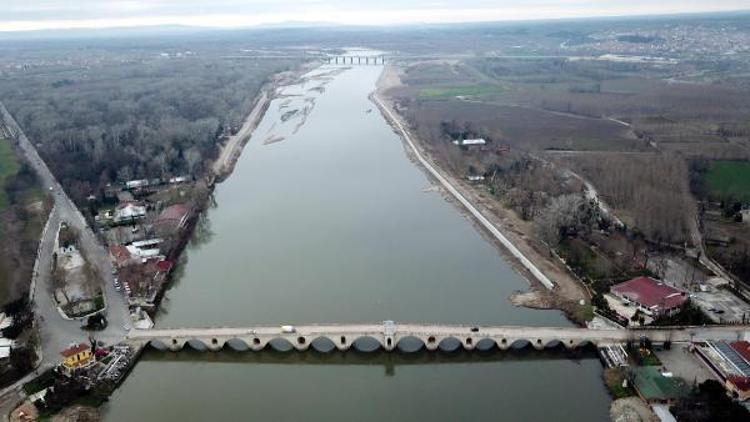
116 122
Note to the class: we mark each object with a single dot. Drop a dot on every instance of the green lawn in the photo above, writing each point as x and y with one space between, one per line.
8 167
461 91
729 180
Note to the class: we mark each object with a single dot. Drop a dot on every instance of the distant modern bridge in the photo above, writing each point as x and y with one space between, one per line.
411 337
355 59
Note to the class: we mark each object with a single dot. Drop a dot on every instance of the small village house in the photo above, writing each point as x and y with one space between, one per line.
469 142
129 211
652 297
76 357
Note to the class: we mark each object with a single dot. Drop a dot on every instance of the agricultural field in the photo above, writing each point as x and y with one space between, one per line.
464 91
729 180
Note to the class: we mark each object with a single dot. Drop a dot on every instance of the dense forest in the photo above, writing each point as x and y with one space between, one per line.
116 120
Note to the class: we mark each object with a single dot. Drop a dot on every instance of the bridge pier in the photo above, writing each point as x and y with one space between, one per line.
214 344
432 343
389 343
504 344
469 343
256 344
176 345
538 344
301 343
342 343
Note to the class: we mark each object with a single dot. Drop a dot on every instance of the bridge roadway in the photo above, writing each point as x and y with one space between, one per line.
446 337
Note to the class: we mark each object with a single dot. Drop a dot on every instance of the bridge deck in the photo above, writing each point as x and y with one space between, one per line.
431 335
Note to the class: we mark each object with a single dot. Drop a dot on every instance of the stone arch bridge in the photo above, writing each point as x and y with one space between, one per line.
411 337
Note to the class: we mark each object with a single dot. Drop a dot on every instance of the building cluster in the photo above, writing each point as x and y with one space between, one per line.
143 222
86 364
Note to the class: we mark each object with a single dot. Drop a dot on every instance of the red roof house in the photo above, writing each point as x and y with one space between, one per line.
652 296
174 217
75 349
164 266
121 256
742 348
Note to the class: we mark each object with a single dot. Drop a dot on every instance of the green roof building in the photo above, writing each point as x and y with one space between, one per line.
654 387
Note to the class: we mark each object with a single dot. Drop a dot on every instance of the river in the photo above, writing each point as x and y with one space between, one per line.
325 219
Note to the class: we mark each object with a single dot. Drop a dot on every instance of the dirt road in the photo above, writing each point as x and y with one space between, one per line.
230 152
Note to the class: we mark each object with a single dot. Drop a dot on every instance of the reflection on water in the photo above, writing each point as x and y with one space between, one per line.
270 386
388 360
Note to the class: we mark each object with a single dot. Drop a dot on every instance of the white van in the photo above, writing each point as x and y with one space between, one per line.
288 329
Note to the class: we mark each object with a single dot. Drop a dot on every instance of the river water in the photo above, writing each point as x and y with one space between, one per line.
325 219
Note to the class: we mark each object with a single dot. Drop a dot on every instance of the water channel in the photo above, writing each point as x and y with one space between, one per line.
325 219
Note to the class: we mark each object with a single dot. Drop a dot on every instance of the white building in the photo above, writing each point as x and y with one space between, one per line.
5 321
134 184
466 142
129 211
145 249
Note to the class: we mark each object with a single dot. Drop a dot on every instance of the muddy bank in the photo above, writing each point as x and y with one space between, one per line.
232 148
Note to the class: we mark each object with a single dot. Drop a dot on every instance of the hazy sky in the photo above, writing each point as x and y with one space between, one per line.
45 14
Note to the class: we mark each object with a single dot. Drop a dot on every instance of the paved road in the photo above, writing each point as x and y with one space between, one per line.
56 332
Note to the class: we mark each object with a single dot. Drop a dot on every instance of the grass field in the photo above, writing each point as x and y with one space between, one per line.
461 91
729 180
8 167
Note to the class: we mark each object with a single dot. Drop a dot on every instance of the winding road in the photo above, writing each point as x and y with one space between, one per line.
55 331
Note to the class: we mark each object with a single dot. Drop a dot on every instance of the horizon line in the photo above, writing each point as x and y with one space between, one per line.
88 25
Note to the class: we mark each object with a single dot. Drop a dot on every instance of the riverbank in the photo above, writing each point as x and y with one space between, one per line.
231 150
553 287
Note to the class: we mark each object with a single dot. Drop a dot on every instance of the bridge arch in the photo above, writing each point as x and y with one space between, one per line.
555 343
323 344
196 344
485 344
237 344
411 344
281 344
367 344
158 345
578 344
449 344
518 343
